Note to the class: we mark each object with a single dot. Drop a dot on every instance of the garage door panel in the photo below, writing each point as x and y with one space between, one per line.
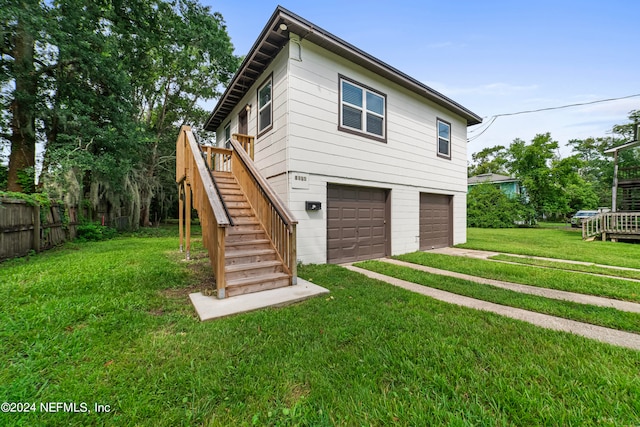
356 223
436 221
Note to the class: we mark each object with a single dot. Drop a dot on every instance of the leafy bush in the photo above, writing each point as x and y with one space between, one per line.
4 173
488 207
94 231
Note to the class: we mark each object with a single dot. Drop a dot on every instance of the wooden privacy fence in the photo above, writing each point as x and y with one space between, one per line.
25 227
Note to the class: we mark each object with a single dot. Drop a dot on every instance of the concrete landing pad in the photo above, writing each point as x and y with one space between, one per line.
213 308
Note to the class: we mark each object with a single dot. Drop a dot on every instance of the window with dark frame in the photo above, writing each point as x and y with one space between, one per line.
362 109
444 138
265 106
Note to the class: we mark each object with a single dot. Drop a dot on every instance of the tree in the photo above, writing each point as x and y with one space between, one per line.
489 160
489 207
106 86
20 22
191 56
531 164
553 185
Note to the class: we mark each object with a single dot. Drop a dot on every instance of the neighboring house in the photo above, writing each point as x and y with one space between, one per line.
507 184
370 161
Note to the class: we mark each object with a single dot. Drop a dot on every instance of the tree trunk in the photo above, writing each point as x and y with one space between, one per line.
23 138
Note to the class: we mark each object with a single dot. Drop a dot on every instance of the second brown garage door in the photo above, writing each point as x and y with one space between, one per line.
436 221
357 223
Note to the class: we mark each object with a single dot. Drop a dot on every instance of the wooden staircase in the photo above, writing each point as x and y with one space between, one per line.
251 262
249 233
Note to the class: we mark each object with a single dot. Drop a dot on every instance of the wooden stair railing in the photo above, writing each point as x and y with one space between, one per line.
194 178
274 216
612 223
246 141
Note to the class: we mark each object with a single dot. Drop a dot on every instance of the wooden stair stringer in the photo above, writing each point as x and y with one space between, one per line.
252 263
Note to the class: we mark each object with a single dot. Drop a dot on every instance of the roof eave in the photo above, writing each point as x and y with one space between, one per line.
326 40
624 146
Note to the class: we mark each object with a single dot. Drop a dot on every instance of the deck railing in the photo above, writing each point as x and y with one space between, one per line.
632 172
274 216
247 142
619 223
195 181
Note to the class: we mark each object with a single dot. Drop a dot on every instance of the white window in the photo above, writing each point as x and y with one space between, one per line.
362 109
265 107
227 135
444 138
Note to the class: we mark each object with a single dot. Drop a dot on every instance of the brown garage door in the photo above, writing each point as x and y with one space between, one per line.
436 221
357 223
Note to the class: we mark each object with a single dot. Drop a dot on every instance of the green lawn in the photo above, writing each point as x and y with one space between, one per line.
570 281
110 323
601 316
584 268
553 243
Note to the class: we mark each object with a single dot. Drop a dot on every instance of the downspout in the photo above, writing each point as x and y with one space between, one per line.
288 139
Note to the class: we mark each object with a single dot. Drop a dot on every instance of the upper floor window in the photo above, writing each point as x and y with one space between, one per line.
362 109
227 135
444 139
265 109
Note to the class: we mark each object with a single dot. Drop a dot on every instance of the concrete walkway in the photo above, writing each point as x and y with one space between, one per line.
526 289
209 307
607 335
474 253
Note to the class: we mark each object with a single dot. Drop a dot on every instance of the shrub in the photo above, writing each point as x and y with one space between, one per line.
94 231
488 207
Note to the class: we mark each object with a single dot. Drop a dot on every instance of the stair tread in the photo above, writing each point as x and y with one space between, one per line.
251 266
257 279
247 220
249 252
249 242
237 230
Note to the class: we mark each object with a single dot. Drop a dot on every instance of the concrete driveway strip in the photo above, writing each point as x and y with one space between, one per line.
599 333
527 289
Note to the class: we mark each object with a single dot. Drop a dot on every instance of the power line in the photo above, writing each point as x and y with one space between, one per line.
579 104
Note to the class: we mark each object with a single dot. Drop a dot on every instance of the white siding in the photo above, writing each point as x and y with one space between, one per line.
405 216
409 156
407 163
270 148
306 111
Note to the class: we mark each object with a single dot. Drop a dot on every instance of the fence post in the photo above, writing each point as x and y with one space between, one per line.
36 227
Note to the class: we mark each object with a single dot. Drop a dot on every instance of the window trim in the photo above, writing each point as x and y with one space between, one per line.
442 155
362 132
270 104
227 141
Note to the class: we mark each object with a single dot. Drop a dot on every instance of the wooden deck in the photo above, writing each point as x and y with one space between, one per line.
614 226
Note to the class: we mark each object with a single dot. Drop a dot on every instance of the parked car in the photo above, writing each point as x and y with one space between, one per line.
576 220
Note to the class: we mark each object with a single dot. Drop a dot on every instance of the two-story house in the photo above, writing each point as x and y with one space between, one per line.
369 160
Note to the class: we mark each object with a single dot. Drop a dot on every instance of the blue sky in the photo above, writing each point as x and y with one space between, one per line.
493 57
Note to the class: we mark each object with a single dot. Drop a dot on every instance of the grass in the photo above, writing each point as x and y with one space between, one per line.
529 275
584 268
553 243
110 322
601 316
